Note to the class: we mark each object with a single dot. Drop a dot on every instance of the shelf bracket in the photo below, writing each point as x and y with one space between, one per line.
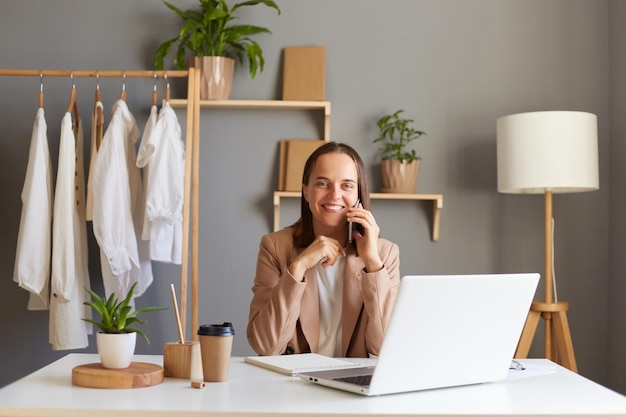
437 207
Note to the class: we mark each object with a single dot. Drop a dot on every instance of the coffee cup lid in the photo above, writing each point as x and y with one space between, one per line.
225 329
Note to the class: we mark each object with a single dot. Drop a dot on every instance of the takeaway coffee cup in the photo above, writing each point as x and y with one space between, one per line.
216 342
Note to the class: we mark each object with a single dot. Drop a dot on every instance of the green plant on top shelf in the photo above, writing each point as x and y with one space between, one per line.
207 32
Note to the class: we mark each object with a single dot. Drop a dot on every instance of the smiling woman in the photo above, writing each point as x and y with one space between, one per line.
317 289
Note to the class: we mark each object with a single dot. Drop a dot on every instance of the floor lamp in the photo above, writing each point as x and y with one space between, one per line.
544 153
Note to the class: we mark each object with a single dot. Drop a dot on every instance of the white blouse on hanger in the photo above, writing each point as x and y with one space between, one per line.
117 210
162 153
32 258
92 158
70 272
146 150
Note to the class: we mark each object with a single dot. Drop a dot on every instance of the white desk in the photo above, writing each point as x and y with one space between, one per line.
253 391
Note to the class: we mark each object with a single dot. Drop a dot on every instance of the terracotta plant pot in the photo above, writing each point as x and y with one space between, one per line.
399 177
116 350
216 78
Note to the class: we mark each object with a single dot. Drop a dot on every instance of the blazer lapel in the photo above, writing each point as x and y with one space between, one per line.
352 297
310 310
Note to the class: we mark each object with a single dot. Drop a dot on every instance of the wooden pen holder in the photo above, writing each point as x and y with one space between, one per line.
182 360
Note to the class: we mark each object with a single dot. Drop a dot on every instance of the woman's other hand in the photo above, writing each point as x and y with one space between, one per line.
323 248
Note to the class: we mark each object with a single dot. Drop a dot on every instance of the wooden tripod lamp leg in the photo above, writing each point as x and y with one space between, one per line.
561 338
565 348
528 333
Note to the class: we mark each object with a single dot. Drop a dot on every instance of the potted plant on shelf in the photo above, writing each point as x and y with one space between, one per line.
118 332
215 44
399 165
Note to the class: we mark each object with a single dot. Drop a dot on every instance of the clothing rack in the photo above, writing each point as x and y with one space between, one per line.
192 144
96 73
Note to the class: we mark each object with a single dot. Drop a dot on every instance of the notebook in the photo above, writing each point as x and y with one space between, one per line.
445 330
303 362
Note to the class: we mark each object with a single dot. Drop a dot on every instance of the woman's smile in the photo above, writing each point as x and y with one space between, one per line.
333 208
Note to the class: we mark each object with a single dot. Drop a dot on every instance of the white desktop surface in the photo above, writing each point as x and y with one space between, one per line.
254 391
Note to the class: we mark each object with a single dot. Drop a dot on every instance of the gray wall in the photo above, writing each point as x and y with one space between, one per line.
455 66
617 219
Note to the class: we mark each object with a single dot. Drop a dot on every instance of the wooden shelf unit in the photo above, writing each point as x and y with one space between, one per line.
265 104
437 200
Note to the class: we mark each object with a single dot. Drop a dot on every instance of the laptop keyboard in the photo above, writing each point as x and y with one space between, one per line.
361 380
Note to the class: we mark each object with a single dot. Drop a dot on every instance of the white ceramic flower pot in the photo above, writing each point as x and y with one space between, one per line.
116 350
216 78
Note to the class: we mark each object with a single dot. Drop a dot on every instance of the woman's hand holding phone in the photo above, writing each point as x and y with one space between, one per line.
366 231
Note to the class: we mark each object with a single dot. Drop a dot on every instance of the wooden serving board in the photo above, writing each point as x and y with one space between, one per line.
137 375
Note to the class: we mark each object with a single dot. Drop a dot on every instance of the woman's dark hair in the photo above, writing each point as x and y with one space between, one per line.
304 234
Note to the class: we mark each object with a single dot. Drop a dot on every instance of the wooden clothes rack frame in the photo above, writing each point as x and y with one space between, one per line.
192 145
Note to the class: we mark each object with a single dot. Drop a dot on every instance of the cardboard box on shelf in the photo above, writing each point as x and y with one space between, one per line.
293 156
304 73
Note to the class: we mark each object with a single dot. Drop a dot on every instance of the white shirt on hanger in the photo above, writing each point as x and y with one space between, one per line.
32 258
162 153
92 158
70 272
117 210
146 150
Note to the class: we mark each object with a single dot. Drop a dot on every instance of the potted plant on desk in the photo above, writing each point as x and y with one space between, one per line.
118 332
215 44
399 165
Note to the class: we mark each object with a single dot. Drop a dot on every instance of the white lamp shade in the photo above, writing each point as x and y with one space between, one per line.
547 151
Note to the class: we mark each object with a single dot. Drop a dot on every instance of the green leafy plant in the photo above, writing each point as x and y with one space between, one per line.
118 316
206 32
395 134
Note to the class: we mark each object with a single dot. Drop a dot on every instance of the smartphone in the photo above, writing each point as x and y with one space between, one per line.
358 201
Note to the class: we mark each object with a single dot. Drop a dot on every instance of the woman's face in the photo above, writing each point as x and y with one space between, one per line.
332 189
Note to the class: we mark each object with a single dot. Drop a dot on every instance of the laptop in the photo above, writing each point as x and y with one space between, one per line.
444 331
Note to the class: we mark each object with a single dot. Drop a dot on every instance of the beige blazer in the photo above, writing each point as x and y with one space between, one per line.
284 313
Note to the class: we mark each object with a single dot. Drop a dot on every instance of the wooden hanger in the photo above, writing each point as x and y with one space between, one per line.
41 92
72 103
154 91
72 107
76 116
99 111
99 114
123 92
167 88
